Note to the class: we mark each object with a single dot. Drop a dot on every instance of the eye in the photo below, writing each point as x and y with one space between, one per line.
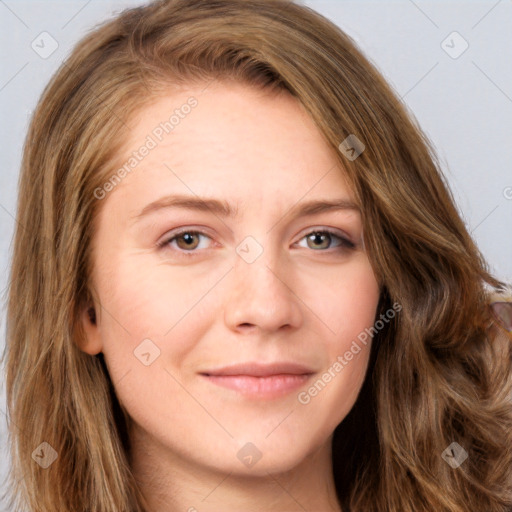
186 241
322 239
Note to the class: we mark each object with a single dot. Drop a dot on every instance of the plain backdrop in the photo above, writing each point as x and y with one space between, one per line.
451 62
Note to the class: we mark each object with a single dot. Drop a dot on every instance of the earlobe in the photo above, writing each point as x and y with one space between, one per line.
90 340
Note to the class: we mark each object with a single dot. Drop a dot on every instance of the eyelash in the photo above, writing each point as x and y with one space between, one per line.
344 245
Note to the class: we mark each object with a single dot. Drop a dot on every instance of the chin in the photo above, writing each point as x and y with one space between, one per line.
258 461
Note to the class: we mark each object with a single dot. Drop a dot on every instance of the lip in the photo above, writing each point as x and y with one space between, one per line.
253 369
263 381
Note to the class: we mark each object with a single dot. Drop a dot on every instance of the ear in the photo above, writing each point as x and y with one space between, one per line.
90 340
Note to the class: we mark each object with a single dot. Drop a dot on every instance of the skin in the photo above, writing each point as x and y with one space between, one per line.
303 299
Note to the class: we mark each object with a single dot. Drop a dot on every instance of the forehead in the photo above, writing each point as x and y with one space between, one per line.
232 141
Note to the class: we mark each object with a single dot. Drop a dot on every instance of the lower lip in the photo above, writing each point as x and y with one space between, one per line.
260 387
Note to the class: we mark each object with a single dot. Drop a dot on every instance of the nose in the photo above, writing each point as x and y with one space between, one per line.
261 295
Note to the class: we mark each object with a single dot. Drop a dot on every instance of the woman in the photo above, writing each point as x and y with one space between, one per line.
177 340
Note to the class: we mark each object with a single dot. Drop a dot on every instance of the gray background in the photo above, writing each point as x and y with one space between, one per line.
464 104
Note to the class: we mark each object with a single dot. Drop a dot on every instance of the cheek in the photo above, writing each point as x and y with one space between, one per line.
346 301
148 299
152 302
347 307
162 293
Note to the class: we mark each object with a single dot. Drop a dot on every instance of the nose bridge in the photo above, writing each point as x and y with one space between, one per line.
260 292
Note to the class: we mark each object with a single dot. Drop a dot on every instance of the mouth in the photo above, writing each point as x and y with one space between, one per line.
260 381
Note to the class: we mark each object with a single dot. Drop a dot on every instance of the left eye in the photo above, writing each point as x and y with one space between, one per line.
188 241
321 236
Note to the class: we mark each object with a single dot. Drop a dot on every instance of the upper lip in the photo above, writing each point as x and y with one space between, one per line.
261 370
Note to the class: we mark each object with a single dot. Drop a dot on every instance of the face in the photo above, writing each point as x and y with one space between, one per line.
251 275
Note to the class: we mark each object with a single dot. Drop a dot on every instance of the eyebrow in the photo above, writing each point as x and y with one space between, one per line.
224 209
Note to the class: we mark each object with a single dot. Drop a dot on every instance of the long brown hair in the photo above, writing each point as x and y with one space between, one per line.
439 373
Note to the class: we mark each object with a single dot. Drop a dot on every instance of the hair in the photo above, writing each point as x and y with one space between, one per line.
440 370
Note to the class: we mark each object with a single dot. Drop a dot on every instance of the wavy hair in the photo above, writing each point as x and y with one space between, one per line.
439 373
